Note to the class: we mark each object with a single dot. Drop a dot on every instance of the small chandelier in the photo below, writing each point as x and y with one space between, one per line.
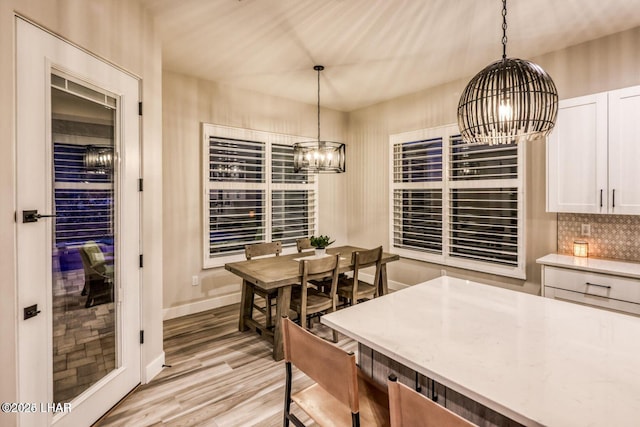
98 159
510 100
319 156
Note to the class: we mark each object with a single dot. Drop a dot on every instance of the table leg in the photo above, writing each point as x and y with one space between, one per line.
283 302
383 287
246 302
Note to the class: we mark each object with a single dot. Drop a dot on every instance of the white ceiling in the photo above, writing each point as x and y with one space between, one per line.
373 50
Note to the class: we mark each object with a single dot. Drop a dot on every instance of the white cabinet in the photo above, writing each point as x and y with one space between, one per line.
593 153
624 151
577 156
608 284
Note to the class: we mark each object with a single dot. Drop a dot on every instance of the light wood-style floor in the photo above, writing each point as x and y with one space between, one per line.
219 377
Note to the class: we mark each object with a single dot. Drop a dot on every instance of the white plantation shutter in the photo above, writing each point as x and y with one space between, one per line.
484 214
233 160
417 195
252 194
484 225
473 218
473 162
236 218
417 219
293 198
237 187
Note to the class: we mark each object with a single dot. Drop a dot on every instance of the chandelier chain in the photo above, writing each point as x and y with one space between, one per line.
504 29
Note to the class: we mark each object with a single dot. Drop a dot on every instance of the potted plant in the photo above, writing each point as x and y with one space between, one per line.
320 243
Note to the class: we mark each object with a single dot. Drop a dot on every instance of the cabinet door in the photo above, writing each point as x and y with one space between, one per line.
624 151
577 156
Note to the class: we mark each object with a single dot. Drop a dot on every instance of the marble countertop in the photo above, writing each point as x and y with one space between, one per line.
597 265
536 360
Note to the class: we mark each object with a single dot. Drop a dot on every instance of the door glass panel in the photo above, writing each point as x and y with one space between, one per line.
84 241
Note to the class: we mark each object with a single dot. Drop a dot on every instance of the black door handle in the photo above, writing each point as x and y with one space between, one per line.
34 216
31 311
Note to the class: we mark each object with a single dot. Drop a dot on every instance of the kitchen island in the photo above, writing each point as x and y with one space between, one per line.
501 357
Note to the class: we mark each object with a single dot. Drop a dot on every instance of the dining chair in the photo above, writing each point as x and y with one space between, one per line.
341 394
303 244
408 408
307 299
354 289
270 297
98 275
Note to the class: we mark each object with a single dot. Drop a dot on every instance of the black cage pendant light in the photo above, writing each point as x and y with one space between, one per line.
319 156
98 159
510 100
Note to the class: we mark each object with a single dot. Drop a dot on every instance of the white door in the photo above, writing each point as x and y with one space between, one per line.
577 156
78 158
624 151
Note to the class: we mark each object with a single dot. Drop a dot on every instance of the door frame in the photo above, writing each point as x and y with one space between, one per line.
35 334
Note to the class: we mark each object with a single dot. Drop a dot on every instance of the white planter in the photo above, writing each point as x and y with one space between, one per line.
321 252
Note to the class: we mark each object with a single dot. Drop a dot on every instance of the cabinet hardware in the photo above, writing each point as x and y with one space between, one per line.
601 197
600 286
613 198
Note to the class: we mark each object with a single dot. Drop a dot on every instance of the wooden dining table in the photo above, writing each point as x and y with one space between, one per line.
282 273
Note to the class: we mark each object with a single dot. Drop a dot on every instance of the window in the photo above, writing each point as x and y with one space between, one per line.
457 204
251 193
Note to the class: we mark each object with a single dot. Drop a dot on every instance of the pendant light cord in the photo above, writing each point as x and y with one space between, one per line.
504 31
318 68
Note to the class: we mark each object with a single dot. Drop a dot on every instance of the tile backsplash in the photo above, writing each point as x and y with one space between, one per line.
612 236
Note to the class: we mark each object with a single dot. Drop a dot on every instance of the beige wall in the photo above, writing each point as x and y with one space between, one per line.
604 64
122 32
188 102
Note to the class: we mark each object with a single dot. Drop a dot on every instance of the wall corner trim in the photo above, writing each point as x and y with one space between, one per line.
153 368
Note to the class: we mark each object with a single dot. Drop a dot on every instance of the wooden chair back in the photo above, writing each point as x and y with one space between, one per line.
364 259
409 408
261 249
318 269
329 366
303 244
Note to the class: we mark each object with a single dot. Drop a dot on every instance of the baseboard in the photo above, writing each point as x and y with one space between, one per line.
393 286
153 368
197 307
397 286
